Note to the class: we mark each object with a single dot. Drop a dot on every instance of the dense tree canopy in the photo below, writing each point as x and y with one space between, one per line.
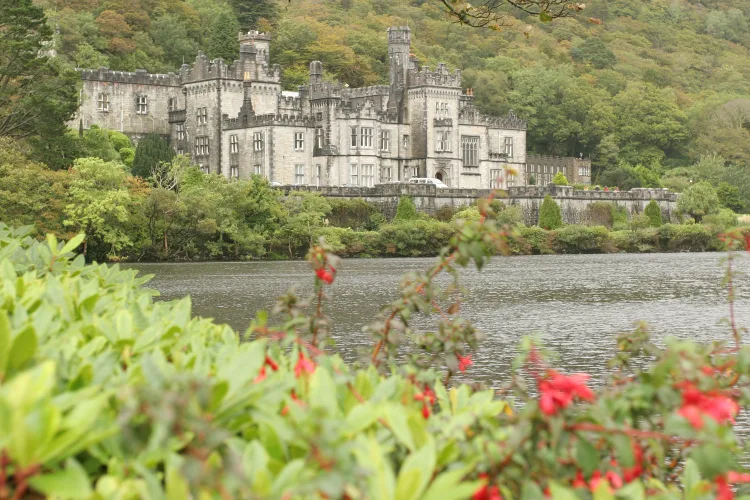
37 92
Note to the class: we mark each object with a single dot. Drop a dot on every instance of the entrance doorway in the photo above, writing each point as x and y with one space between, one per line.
439 176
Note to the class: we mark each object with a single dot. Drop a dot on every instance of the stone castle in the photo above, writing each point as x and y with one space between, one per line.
234 120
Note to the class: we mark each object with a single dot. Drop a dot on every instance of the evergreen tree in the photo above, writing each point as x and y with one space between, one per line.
222 41
37 93
249 12
150 152
729 196
559 179
653 212
406 209
550 216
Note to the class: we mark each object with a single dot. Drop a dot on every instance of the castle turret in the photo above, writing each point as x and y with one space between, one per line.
261 42
399 45
316 72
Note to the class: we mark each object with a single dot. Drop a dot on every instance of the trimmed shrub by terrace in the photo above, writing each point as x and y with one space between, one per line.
550 216
559 179
406 209
653 212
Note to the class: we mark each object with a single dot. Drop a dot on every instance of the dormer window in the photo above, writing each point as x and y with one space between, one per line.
102 102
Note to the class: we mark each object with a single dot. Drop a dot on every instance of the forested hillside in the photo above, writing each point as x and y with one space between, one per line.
656 83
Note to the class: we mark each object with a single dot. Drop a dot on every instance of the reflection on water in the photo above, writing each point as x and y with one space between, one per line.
576 303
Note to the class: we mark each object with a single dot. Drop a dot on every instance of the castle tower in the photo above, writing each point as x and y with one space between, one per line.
316 72
261 42
399 45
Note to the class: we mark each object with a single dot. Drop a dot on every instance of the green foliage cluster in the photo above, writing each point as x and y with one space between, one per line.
653 212
406 209
105 393
550 216
151 153
560 179
699 200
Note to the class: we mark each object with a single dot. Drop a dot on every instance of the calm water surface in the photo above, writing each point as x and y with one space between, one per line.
576 303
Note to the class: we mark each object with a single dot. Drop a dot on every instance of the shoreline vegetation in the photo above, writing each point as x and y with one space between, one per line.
181 214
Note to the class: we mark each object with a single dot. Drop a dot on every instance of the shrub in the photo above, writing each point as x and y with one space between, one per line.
406 209
536 240
619 217
687 238
638 241
639 221
419 238
582 239
559 179
550 216
723 220
468 213
698 201
352 213
511 214
653 212
446 213
150 152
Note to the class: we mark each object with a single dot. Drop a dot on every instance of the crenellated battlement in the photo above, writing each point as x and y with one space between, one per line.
375 90
252 35
441 77
138 77
510 122
269 120
325 90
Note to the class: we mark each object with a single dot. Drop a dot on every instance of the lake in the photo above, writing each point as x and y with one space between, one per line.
575 303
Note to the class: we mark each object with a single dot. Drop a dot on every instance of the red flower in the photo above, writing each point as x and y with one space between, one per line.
464 362
632 473
425 411
261 375
324 275
747 242
270 362
696 404
303 365
487 492
558 391
579 481
427 395
723 490
738 477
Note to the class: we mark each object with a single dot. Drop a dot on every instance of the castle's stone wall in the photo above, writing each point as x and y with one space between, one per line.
574 204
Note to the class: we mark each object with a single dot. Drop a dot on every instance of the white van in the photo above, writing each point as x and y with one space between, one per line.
428 180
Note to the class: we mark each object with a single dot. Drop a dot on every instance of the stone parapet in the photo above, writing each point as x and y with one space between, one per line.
138 77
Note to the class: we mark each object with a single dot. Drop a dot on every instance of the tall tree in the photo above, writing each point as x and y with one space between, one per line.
222 41
37 94
151 151
249 12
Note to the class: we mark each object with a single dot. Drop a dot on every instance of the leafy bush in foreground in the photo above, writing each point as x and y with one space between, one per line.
106 394
550 216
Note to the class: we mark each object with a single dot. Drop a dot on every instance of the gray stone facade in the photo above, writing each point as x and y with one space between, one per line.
544 168
234 120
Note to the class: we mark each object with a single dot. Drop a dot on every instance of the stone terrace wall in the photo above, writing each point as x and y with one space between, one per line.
573 203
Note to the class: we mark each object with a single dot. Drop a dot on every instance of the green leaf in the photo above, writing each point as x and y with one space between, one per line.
713 460
4 341
531 491
416 472
603 492
360 418
623 449
587 456
632 491
545 17
691 476
448 485
398 421
71 482
289 476
561 493
24 347
74 243
323 392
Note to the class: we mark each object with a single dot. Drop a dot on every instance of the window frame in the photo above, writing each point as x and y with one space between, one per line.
299 174
102 102
385 140
141 104
365 137
299 141
258 142
470 150
180 129
234 144
354 174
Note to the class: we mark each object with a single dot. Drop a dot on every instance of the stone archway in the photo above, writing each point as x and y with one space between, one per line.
439 176
443 176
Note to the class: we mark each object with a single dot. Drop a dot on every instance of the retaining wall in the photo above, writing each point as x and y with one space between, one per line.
574 204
